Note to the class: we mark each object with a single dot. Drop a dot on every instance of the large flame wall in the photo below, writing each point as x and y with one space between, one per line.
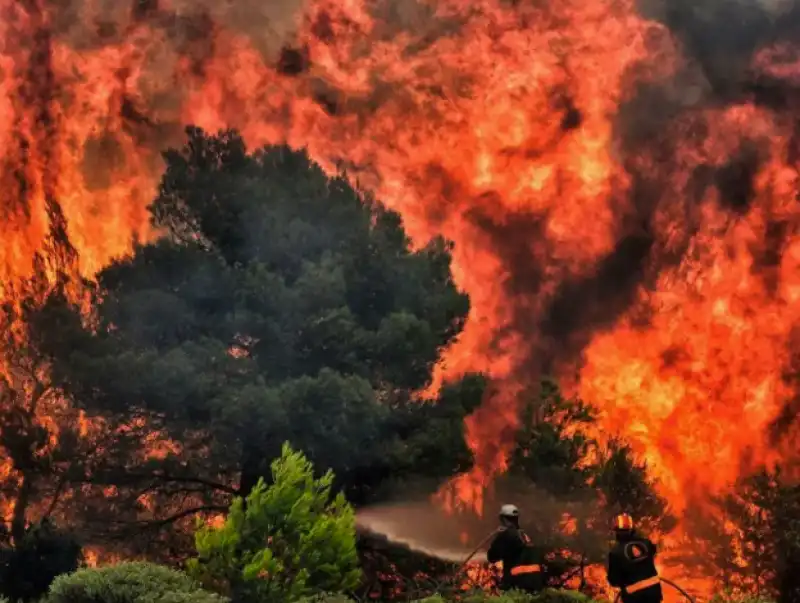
621 193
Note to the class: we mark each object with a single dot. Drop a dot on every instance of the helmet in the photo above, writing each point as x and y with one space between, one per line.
509 511
623 522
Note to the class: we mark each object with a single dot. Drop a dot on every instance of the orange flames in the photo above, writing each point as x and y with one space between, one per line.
698 389
613 222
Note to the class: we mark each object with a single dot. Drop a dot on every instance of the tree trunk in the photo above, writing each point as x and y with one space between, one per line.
18 519
251 470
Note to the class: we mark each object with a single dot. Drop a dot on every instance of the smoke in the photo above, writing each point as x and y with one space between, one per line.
721 36
95 23
151 41
732 53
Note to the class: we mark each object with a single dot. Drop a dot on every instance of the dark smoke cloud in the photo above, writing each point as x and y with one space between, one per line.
736 51
733 51
723 35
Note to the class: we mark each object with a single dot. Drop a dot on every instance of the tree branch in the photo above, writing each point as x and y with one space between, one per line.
155 524
164 477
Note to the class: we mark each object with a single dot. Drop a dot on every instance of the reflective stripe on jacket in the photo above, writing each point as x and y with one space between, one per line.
642 584
525 569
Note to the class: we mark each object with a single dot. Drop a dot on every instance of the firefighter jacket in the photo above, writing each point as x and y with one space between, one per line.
632 568
523 564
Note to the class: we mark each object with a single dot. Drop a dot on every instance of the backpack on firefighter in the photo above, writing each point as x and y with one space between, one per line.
529 573
523 563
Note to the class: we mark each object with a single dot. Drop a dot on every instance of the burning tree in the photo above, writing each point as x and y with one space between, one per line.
38 427
45 442
755 546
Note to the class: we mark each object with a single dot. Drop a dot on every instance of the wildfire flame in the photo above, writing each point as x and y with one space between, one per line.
616 221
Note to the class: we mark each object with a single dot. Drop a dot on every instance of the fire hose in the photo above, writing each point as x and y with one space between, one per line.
482 544
616 599
688 597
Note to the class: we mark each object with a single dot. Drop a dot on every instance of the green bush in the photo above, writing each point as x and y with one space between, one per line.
325 598
550 595
291 540
553 595
128 583
546 596
731 598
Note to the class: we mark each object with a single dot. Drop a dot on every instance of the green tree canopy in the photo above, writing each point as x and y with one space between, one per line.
279 304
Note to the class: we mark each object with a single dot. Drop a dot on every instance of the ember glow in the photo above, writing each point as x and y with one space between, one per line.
620 218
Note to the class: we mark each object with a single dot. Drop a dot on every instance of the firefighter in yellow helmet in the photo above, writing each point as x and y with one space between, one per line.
631 564
523 563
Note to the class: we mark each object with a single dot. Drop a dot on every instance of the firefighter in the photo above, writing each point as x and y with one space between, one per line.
631 564
523 565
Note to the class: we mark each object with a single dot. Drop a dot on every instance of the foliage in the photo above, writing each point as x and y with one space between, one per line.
326 598
281 304
128 583
627 488
731 598
546 596
551 442
43 553
290 540
427 442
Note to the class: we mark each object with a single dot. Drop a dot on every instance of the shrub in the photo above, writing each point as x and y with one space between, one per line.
326 598
553 595
28 569
546 596
291 540
729 597
129 583
550 595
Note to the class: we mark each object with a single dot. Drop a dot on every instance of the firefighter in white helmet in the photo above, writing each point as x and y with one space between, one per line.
523 564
